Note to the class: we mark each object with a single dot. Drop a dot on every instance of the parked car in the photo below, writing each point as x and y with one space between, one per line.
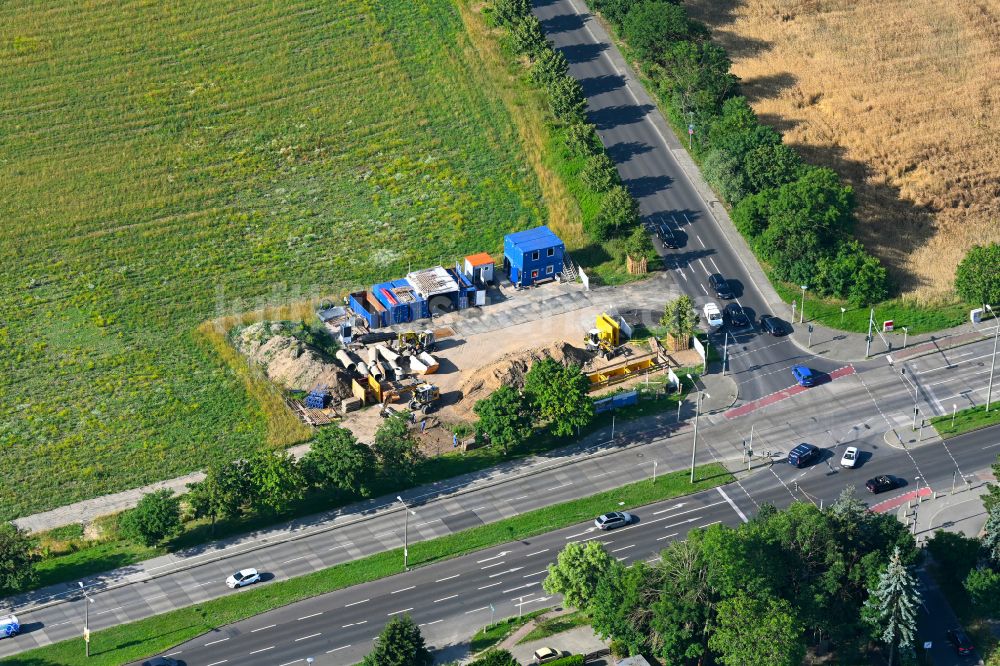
803 375
882 483
720 286
772 325
9 626
850 457
803 454
242 578
713 315
736 317
609 521
961 641
544 655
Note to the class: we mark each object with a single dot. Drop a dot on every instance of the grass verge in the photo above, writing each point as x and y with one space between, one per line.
492 634
128 642
966 420
556 625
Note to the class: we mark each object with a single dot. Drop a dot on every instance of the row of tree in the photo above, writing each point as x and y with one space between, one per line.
797 217
756 594
618 214
554 394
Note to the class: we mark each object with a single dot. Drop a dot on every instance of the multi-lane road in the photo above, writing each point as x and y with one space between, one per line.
647 155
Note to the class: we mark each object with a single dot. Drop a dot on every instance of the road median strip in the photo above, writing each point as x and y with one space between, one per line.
125 643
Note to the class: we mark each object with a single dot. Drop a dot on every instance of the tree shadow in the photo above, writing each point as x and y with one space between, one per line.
740 46
626 150
563 23
890 227
647 185
767 87
577 53
596 85
615 116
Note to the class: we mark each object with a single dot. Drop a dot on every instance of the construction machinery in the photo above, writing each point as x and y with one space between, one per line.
606 337
423 397
418 341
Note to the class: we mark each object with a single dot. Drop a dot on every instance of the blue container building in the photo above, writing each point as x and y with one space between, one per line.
532 256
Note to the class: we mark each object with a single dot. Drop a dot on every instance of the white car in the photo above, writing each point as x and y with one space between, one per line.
243 577
713 315
850 457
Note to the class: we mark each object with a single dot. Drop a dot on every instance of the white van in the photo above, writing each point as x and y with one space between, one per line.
713 315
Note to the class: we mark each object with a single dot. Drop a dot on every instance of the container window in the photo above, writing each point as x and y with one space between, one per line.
534 255
548 270
534 274
551 252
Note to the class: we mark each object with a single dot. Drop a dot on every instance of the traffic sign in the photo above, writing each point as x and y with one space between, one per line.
690 129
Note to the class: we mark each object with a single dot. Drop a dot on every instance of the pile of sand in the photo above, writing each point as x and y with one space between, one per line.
510 370
288 361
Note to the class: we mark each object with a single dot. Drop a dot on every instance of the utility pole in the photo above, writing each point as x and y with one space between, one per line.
802 309
725 353
868 340
694 441
906 329
406 524
993 363
86 618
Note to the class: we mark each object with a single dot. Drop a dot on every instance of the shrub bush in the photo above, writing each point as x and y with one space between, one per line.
548 67
651 25
526 36
977 279
567 100
599 174
582 139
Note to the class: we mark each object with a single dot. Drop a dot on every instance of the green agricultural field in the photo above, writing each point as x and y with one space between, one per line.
165 163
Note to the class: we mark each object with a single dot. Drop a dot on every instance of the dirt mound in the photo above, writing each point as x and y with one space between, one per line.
288 361
510 370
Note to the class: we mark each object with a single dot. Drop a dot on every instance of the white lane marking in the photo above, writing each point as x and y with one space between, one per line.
703 289
704 268
537 573
155 596
519 587
398 612
502 553
662 538
714 265
511 570
289 663
270 626
305 638
495 564
701 507
732 504
490 585
951 366
437 601
427 522
623 548
561 485
295 559
216 663
342 545
171 654
403 590
68 621
207 582
544 550
586 531
306 617
476 610
700 240
263 650
669 508
356 603
354 624
110 610
221 640
342 647
519 498
427 624
441 580
622 559
478 508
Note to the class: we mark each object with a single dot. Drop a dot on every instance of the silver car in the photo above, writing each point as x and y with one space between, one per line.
610 521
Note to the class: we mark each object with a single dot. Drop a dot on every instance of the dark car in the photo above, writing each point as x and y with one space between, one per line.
959 639
882 483
162 661
736 317
720 286
803 454
772 325
803 375
667 236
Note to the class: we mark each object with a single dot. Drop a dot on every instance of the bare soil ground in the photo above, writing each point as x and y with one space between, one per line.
901 97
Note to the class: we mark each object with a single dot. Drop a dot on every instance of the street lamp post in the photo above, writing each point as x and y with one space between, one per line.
694 441
802 308
916 398
906 329
725 353
916 505
86 618
406 521
993 363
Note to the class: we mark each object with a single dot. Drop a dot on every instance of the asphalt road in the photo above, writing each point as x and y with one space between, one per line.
641 144
450 600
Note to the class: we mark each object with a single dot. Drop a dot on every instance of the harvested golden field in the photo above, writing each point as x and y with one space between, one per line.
901 97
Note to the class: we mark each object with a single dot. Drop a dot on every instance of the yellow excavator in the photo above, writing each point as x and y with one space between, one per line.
423 398
605 338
